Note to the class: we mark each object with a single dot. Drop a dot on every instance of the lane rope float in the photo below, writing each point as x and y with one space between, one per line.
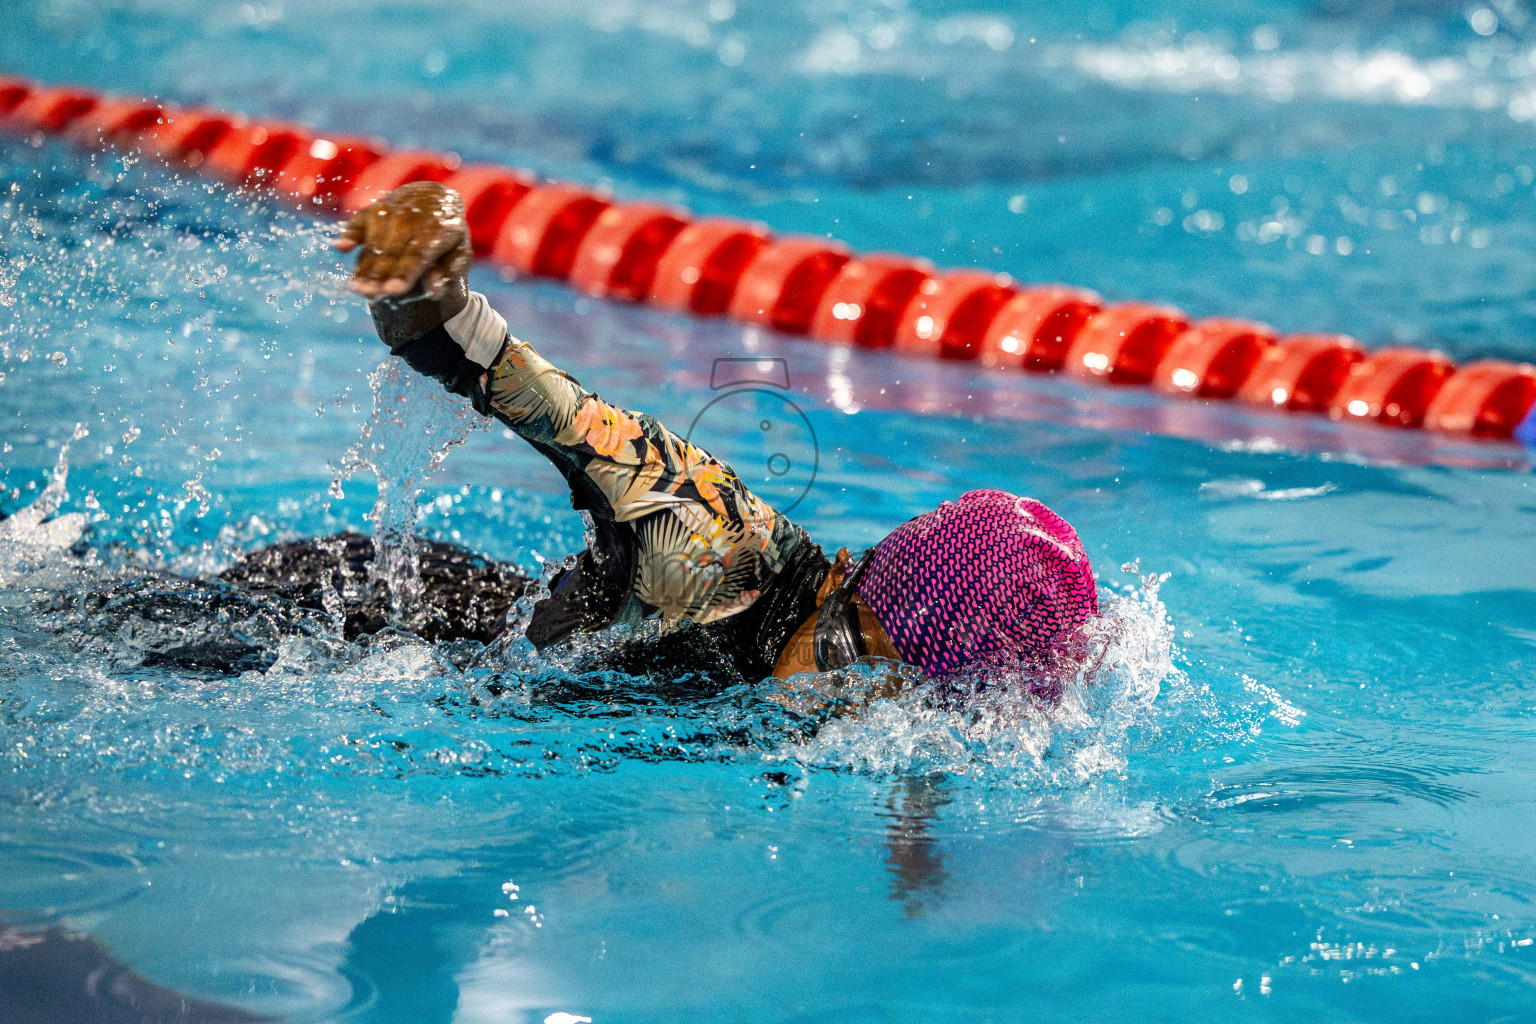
799 285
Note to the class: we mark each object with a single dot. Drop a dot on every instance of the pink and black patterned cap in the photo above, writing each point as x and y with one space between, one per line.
989 575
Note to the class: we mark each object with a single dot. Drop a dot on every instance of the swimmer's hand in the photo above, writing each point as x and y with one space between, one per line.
413 258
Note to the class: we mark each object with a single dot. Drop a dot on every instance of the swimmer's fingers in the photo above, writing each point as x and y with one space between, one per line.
351 234
423 249
403 235
424 222
373 265
369 232
387 229
449 272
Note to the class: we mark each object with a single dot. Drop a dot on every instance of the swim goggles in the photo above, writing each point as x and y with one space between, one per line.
839 636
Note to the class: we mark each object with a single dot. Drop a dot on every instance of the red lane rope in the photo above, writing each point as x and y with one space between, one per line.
643 252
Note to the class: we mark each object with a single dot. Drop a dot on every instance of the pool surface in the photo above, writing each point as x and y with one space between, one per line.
1300 786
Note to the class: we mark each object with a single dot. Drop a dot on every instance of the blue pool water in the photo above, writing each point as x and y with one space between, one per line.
1299 788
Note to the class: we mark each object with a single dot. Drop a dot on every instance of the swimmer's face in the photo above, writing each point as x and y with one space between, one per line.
799 655
809 693
876 640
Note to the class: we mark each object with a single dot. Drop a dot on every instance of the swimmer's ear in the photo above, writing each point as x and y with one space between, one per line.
835 576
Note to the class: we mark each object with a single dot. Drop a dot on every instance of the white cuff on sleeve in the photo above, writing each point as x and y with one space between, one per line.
479 330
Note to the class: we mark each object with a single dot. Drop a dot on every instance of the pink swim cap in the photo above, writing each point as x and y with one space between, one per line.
989 575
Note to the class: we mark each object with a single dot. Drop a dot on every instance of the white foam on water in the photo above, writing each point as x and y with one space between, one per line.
1006 733
1374 76
1244 487
34 534
1480 74
413 427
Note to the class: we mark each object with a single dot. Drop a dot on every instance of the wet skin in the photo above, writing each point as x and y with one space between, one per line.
413 258
799 655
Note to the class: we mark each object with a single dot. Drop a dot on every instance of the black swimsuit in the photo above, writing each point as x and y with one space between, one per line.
468 597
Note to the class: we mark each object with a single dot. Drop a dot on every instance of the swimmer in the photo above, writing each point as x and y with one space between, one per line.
989 577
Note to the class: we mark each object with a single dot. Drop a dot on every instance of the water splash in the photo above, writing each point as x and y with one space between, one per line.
512 650
413 427
1008 732
153 308
33 534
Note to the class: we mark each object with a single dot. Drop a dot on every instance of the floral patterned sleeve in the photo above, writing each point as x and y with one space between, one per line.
704 545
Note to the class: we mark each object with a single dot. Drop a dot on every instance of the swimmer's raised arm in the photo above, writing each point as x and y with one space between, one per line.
675 529
413 261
